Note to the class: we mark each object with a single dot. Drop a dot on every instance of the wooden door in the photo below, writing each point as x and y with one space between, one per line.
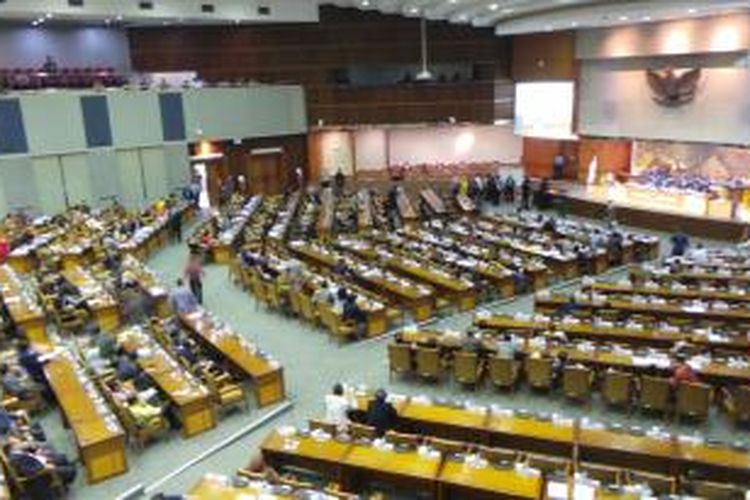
265 173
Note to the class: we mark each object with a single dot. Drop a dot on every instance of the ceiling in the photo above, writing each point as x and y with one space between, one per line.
528 16
505 16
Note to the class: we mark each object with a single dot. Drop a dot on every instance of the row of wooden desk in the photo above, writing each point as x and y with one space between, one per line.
98 435
21 298
266 374
103 306
639 335
551 303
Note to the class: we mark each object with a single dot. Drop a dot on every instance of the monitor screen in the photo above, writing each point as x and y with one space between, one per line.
544 109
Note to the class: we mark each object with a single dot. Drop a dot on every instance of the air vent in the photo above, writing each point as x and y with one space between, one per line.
208 8
75 3
264 10
146 5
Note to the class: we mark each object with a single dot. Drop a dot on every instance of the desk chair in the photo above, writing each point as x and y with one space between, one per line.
713 491
467 369
429 365
576 383
361 431
340 329
447 447
399 359
539 373
401 439
226 392
549 465
503 372
295 303
327 427
737 404
654 394
658 483
307 309
499 455
602 473
693 401
617 388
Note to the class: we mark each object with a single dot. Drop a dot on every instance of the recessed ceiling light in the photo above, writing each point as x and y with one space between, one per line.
119 17
463 18
414 10
624 18
574 24
692 11
365 3
452 1
646 18
494 6
548 28
48 15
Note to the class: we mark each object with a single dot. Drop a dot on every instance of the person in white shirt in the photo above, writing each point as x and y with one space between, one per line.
337 407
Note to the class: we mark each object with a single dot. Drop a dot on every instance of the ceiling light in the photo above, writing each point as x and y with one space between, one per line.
453 1
646 18
48 15
623 18
494 6
548 28
692 11
507 11
574 24
119 17
365 3
414 10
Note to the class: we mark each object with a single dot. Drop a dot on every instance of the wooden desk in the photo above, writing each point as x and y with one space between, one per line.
459 480
444 421
23 308
364 463
510 430
431 198
405 207
621 334
668 293
99 437
324 457
458 290
103 306
721 463
188 395
149 284
626 450
364 210
267 376
327 213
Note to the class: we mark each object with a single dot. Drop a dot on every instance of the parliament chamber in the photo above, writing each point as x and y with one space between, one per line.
374 249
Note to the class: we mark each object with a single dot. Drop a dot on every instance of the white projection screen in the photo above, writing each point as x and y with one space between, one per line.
544 109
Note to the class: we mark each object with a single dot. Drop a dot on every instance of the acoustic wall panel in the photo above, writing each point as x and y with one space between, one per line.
75 169
154 172
130 177
96 121
19 193
135 119
105 181
54 123
49 184
172 117
12 132
178 166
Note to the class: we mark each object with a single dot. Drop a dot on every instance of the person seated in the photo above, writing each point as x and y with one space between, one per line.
183 348
340 268
472 343
337 407
683 372
558 367
16 383
506 347
127 368
144 413
30 361
29 459
351 312
182 299
381 414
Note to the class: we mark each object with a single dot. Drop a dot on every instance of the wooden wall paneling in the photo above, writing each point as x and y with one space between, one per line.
539 156
309 54
613 155
543 56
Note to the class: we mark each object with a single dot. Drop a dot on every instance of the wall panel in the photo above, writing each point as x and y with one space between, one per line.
178 166
543 56
19 193
131 178
135 118
62 134
49 184
75 168
154 172
105 183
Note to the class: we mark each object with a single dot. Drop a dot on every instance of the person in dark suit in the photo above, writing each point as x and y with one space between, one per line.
381 414
29 360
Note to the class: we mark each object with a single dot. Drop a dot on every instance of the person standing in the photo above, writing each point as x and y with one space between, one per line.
175 222
194 276
526 194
